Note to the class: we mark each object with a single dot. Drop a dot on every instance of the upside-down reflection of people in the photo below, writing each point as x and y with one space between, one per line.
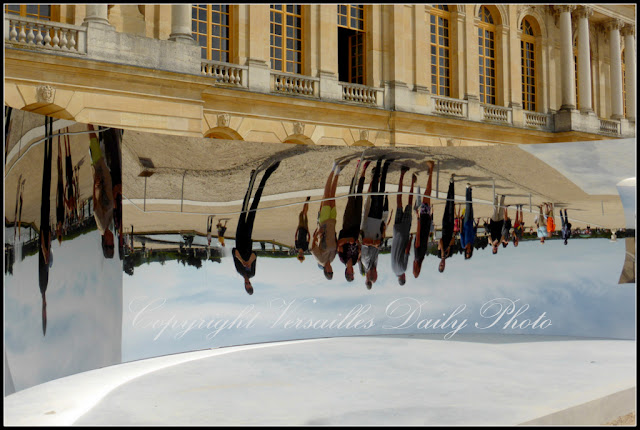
401 244
44 250
103 204
112 139
496 223
244 258
518 226
424 215
448 238
551 223
566 226
324 242
17 216
468 229
302 236
60 197
541 223
349 238
209 228
221 230
71 186
506 228
372 226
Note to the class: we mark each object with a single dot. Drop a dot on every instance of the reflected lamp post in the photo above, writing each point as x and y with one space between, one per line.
147 166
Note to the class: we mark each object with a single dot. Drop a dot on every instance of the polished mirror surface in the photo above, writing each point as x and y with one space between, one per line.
207 243
63 252
232 243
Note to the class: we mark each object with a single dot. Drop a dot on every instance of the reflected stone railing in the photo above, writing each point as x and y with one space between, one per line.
46 35
290 83
447 106
225 73
536 119
361 94
609 126
496 114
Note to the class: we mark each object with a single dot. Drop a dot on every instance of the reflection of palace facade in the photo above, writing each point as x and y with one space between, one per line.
332 75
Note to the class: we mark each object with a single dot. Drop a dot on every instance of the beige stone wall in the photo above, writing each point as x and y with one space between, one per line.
397 56
397 44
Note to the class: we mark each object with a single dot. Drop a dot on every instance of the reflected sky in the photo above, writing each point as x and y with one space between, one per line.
84 313
574 286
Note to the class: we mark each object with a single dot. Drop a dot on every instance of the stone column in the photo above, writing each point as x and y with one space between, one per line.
398 99
614 26
421 53
330 89
503 81
96 14
514 67
567 71
181 23
458 68
542 90
258 62
472 87
584 59
630 68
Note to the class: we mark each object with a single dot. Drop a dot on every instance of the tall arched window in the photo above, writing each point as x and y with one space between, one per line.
38 11
439 42
210 27
286 38
527 60
351 43
487 56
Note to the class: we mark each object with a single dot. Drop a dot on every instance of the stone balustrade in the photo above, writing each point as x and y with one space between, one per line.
447 106
46 35
105 44
225 73
536 119
496 114
290 83
361 94
610 126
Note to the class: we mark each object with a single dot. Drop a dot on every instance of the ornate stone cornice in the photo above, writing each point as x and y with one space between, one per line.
583 12
557 10
565 8
614 24
628 30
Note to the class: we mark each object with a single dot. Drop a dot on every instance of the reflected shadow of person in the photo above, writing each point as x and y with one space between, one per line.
244 258
44 250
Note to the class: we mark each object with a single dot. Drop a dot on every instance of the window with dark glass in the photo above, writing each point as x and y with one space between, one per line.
37 11
527 60
210 27
487 57
439 44
286 38
351 44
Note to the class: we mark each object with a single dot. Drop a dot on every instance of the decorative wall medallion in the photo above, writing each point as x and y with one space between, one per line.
223 120
45 94
364 135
